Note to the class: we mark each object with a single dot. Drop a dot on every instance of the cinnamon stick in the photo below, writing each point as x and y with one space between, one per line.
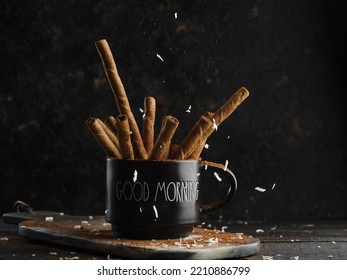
102 138
161 147
202 141
219 116
230 106
109 133
173 148
110 121
124 138
148 123
186 147
120 96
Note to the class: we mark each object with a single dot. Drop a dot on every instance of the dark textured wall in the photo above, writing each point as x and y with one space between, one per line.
289 134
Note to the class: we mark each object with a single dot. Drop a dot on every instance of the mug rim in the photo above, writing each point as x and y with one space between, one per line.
154 160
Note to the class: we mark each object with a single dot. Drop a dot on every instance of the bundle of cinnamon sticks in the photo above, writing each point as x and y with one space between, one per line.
120 137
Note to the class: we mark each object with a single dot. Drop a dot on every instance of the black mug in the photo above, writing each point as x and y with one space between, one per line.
151 199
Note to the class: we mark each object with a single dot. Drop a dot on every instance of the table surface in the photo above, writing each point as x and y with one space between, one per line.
280 240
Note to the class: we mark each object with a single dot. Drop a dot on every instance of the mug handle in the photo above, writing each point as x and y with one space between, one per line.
231 188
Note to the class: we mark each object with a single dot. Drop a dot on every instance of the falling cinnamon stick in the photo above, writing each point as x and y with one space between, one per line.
230 106
219 116
120 96
124 138
161 147
202 141
148 123
186 147
102 138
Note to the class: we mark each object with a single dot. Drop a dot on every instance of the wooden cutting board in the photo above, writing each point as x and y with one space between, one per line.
95 234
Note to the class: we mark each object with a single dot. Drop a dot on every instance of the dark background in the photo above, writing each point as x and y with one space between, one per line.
288 134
